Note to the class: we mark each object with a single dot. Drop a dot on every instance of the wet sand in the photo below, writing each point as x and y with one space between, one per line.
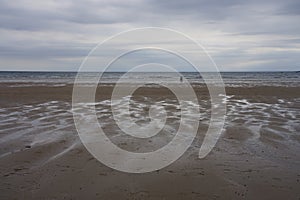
257 156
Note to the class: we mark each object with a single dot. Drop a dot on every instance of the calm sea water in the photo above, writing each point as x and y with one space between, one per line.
291 79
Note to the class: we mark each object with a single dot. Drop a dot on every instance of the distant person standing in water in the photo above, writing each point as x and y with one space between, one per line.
181 79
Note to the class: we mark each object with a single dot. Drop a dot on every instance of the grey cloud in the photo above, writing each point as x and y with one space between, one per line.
290 8
248 24
14 16
46 50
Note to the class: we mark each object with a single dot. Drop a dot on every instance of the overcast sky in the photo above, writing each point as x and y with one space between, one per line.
56 35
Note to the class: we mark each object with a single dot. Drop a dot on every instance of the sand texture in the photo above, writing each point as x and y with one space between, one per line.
257 156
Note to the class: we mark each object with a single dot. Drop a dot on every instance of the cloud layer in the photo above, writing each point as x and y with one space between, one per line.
240 35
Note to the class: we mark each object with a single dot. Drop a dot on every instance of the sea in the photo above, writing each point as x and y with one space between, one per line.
232 79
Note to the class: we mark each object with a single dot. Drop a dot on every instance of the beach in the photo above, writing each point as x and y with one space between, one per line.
256 157
149 100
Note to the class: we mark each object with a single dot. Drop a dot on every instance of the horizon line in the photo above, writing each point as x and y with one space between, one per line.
53 71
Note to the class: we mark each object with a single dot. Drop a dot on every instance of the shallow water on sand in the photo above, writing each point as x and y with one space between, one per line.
271 122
